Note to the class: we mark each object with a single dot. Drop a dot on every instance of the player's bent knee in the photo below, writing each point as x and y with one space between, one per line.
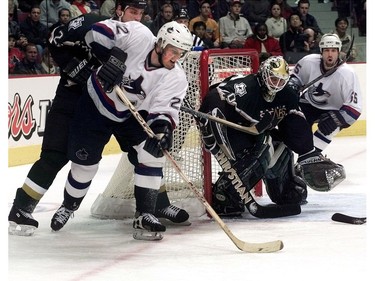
53 159
82 173
282 185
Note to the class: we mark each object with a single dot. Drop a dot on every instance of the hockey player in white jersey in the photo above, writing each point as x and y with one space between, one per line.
148 71
334 102
67 47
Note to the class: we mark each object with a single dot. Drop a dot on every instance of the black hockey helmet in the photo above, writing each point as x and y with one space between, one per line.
139 4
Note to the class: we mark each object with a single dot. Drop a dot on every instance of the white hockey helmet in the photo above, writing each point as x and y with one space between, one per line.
176 34
330 40
274 73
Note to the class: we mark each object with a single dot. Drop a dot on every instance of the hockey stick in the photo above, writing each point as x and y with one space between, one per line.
348 219
266 247
332 70
250 130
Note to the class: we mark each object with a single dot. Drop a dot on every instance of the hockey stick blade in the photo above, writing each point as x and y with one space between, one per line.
348 219
266 247
274 211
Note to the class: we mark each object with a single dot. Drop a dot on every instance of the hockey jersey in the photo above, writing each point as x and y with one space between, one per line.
155 90
245 93
338 91
67 41
241 100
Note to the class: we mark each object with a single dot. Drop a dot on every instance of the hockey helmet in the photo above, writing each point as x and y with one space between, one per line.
330 40
183 14
176 34
139 4
274 73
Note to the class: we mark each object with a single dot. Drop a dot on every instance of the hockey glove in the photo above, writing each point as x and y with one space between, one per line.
78 71
267 122
330 121
112 72
319 172
164 137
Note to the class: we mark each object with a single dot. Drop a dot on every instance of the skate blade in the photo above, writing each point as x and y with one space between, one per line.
20 229
141 234
168 222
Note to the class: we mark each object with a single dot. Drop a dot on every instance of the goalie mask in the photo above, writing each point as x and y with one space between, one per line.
175 34
274 75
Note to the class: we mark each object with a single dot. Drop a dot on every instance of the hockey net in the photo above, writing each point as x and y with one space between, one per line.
203 68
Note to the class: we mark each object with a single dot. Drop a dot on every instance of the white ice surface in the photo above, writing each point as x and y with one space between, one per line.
316 248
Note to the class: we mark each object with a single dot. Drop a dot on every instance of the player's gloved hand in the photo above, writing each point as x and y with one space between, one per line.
163 131
330 121
294 84
112 72
310 157
266 122
319 172
78 71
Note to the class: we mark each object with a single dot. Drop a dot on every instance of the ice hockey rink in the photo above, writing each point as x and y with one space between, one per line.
315 247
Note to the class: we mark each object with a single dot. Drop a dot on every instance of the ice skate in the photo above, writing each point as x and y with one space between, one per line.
173 214
21 223
147 227
60 218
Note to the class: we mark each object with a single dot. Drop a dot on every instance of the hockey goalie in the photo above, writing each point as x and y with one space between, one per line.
265 102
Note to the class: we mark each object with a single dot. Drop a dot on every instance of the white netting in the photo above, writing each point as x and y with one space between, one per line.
117 200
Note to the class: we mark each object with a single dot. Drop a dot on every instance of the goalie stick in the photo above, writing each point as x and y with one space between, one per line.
348 219
250 130
266 247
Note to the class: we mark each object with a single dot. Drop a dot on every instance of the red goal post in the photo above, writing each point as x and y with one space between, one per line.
203 68
206 57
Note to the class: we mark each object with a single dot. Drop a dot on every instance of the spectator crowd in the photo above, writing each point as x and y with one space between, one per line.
271 27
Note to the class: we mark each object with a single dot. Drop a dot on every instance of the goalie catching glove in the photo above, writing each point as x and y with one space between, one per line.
330 121
320 173
162 128
112 72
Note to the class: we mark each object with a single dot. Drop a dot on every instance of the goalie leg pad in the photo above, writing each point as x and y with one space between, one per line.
220 133
208 137
249 168
225 200
319 172
282 185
